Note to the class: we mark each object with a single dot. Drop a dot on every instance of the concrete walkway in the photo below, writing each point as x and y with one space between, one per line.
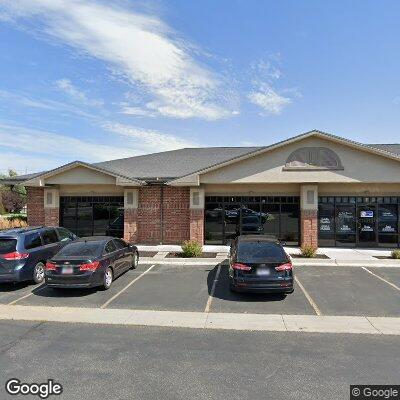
336 256
201 320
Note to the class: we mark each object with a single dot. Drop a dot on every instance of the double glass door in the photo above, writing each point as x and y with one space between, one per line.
367 225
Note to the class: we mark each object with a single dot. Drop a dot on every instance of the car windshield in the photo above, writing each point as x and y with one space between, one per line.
7 245
85 249
260 252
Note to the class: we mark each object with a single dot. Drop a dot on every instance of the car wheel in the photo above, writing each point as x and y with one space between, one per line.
38 273
135 260
108 278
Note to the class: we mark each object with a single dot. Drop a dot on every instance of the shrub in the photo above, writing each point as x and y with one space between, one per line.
308 251
396 254
191 248
7 224
17 217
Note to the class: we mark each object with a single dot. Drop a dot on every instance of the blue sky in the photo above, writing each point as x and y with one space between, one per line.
92 81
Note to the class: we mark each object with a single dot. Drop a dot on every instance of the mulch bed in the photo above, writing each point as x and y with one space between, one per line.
317 256
147 253
180 255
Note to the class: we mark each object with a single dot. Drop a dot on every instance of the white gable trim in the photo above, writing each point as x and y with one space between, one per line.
39 181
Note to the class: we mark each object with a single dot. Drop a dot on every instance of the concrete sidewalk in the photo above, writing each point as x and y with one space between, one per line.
336 256
203 320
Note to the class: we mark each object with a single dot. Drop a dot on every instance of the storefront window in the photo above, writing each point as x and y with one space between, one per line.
345 225
326 224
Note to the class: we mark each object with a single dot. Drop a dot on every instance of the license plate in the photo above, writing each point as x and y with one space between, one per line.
67 270
263 271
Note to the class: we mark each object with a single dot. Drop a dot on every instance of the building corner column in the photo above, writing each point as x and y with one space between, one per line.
51 200
309 215
197 215
131 202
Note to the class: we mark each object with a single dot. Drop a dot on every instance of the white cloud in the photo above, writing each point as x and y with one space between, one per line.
76 94
141 47
64 148
270 101
148 140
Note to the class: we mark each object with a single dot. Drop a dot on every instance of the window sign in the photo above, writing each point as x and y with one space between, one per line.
367 214
346 220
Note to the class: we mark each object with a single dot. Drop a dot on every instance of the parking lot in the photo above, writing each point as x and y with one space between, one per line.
172 287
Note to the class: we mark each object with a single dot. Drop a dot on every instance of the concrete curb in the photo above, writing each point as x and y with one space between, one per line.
201 320
302 263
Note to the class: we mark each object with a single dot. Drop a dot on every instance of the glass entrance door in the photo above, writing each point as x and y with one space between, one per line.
366 225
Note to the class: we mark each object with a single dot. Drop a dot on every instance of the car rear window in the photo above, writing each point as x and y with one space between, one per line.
86 249
8 246
259 252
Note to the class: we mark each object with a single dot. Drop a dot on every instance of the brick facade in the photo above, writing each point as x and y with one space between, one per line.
309 228
176 214
35 206
197 225
149 215
131 225
52 216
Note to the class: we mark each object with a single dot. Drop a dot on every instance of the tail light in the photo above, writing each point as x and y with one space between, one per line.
14 256
89 266
241 267
284 267
50 266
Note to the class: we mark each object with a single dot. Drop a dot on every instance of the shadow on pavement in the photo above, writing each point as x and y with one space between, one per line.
12 287
223 292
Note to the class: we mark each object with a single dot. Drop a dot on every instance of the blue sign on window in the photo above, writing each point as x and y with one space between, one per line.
367 214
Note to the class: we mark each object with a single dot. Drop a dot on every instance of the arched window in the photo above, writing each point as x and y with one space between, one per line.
313 158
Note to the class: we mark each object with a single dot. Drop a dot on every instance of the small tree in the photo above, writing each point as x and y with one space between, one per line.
12 201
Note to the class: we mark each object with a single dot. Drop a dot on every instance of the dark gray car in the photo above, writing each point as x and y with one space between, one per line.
24 251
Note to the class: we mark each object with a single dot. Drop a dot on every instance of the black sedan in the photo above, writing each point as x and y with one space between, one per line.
89 262
259 264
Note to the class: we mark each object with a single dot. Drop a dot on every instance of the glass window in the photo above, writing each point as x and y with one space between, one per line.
32 240
101 217
259 252
8 246
270 214
345 225
84 249
213 223
120 244
110 247
49 236
290 214
64 234
326 225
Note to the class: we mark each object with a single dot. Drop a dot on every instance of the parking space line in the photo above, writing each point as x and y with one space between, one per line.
308 297
127 286
382 279
27 295
211 296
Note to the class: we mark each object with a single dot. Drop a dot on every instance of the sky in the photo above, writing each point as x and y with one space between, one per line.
96 80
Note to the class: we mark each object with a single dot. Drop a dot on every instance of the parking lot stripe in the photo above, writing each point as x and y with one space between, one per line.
382 279
308 297
27 295
127 286
211 296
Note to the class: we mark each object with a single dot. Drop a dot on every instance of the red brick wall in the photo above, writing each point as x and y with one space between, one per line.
149 215
176 214
35 206
131 225
309 228
52 216
197 225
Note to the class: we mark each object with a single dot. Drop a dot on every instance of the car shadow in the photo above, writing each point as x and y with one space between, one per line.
45 291
12 287
223 292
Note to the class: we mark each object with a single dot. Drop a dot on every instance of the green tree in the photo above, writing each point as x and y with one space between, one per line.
7 192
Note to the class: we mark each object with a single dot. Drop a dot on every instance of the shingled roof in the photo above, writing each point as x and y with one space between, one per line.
169 165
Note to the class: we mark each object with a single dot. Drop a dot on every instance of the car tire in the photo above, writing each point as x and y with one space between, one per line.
135 260
108 278
38 273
